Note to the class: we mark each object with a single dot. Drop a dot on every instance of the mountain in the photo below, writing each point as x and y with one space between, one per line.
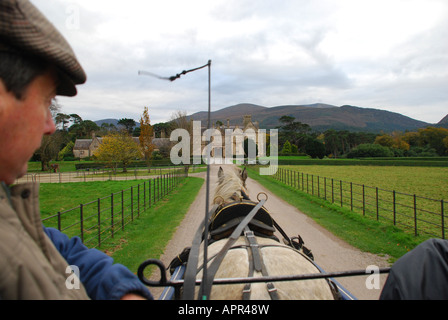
444 122
320 117
232 113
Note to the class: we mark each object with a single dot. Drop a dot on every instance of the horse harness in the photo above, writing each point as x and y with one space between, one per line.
244 217
261 225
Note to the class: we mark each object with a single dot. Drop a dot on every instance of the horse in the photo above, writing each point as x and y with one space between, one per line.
276 258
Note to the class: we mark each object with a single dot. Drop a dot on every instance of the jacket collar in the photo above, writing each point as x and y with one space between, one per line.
5 192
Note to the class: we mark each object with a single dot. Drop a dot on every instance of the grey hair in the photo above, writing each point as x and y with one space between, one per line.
18 71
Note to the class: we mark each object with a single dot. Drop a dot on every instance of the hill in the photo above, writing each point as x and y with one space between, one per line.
320 117
444 122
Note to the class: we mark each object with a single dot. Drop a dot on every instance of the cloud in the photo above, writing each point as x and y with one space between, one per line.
375 54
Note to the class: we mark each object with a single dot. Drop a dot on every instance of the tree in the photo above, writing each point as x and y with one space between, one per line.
62 118
179 120
67 151
83 129
51 144
370 150
294 131
129 124
165 127
106 128
385 140
341 142
50 147
332 142
412 138
75 118
146 136
395 140
286 147
315 148
434 138
116 148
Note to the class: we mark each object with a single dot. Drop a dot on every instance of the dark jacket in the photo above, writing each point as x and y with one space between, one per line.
421 274
34 259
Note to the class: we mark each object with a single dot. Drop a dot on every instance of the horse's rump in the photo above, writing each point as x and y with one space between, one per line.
254 252
279 260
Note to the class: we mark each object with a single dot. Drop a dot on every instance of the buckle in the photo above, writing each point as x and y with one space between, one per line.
249 233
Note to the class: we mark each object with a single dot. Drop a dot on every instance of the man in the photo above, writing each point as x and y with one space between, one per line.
36 64
421 274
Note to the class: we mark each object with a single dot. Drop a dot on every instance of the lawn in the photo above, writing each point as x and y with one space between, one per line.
56 197
145 236
148 236
431 182
366 234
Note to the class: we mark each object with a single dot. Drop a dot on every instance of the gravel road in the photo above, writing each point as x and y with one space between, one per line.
330 252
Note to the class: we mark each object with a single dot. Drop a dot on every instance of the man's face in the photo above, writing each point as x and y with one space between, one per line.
23 124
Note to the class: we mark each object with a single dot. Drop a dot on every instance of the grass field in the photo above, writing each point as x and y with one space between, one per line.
412 198
56 197
365 234
146 236
431 182
64 166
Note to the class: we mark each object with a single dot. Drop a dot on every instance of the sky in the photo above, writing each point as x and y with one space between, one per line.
383 54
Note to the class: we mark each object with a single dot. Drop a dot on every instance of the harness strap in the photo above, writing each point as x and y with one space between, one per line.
256 263
299 244
220 256
246 289
190 272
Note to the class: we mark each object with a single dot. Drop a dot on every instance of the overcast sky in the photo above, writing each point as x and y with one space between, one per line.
384 54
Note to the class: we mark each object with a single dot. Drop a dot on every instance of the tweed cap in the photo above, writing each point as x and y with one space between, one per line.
24 30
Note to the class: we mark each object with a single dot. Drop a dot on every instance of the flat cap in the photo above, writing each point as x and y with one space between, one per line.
25 30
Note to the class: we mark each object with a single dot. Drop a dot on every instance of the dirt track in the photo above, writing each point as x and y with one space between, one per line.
330 252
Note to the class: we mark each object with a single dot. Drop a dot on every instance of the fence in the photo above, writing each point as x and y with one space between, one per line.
412 212
101 174
100 219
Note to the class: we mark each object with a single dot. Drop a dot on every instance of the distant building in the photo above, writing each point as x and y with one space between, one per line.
84 148
221 148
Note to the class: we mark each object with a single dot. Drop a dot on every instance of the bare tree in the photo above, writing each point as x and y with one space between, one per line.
179 120
52 144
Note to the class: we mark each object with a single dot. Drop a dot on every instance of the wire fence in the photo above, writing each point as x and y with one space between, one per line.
409 211
100 219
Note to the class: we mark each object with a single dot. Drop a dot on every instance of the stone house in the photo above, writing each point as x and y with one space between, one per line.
86 147
247 125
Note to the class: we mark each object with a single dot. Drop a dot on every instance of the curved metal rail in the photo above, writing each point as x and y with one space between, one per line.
177 283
